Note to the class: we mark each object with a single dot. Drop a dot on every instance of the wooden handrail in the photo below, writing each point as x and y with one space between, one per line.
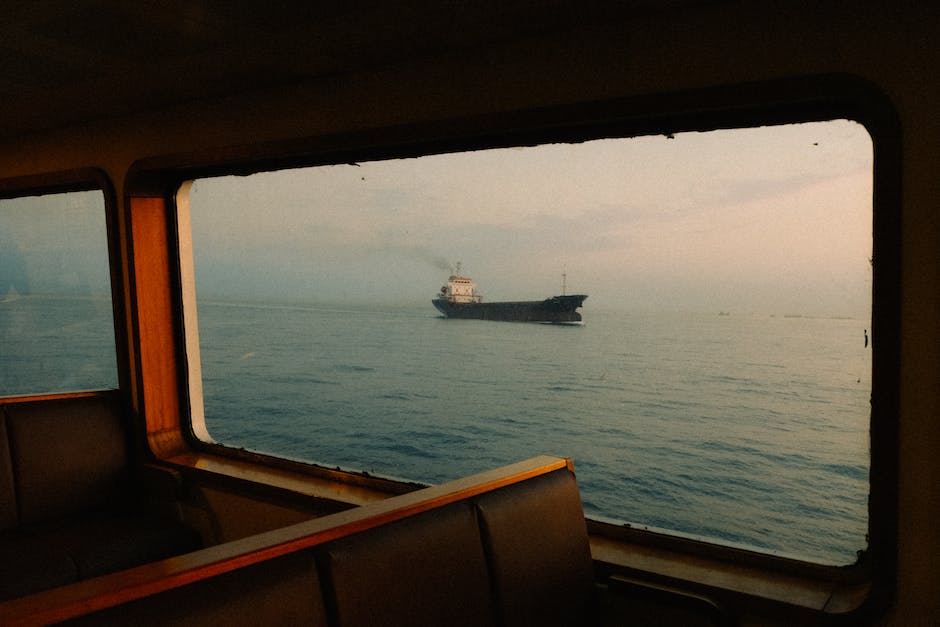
96 594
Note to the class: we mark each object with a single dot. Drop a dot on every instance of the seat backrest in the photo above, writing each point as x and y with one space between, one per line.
536 543
67 455
517 555
428 569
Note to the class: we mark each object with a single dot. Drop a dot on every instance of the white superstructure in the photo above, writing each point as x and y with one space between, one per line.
459 289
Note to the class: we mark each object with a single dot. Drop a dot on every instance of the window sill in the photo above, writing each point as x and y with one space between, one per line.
332 493
725 581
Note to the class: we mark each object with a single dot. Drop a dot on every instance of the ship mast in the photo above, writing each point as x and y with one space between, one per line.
564 280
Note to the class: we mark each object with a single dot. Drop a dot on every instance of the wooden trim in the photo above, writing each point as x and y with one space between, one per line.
330 491
32 398
159 380
100 593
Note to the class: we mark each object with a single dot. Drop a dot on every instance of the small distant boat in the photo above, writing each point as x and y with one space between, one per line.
458 299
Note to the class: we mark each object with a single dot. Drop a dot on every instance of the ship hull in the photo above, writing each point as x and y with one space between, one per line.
556 310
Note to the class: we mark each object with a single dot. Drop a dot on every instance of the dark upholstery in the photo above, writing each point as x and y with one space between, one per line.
536 543
28 565
69 509
425 570
515 555
68 456
8 516
104 542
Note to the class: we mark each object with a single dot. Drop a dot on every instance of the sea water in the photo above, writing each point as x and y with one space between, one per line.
744 429
56 344
749 430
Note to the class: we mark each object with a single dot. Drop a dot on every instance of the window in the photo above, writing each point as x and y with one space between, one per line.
56 321
717 385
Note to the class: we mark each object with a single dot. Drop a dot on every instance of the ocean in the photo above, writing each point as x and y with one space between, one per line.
748 430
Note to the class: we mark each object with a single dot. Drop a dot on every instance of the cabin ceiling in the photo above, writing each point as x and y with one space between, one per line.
64 62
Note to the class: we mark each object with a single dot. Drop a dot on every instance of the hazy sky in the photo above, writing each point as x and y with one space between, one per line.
55 244
767 220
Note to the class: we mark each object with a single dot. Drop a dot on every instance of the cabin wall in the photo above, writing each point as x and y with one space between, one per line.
706 45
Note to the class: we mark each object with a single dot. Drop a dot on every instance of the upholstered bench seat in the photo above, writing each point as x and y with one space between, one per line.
107 541
28 565
506 547
428 569
72 506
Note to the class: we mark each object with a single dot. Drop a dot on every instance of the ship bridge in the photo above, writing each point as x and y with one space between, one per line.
460 289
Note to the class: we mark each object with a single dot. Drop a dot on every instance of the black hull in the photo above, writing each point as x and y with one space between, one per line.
558 310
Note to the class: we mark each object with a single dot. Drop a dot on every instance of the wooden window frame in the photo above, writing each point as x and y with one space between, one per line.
83 180
860 591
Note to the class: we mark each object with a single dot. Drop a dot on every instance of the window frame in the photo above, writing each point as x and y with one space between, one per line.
862 589
83 180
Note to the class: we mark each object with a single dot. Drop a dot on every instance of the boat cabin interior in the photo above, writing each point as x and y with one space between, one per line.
115 505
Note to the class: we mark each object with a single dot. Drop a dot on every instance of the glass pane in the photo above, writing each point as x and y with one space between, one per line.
717 385
56 321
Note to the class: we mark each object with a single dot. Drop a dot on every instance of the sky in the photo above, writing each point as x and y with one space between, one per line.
770 220
54 244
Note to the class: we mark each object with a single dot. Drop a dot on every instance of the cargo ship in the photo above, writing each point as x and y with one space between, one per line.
458 299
